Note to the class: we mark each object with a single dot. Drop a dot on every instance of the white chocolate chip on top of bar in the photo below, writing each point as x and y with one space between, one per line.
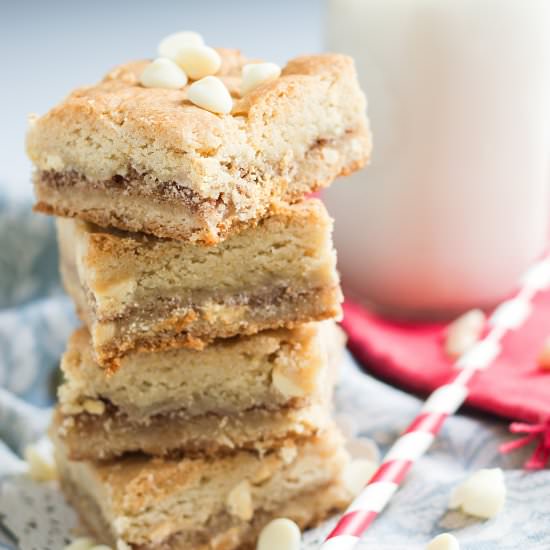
173 43
163 73
254 74
198 61
210 93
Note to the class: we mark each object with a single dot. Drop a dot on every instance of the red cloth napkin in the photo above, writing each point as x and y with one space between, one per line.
411 355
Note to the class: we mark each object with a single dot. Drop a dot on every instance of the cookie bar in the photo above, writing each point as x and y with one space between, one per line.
137 292
250 392
146 159
204 504
109 435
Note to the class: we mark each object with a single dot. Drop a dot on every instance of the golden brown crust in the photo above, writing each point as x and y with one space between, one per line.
185 503
286 138
231 376
167 118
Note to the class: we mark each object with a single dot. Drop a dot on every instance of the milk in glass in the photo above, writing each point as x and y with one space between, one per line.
454 205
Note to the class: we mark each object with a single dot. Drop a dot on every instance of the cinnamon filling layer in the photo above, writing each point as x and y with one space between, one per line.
112 412
154 308
174 302
133 184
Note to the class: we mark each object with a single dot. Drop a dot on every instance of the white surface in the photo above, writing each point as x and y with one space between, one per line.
49 48
211 94
163 73
454 206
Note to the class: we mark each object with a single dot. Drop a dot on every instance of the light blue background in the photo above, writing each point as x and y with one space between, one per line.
50 47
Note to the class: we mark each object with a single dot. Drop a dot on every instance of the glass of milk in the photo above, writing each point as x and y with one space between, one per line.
454 205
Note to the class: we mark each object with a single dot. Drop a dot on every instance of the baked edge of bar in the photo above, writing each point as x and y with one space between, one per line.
320 305
308 511
94 437
206 225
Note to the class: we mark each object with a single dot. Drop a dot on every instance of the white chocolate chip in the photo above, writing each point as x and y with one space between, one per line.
347 425
163 73
198 61
53 162
285 385
70 407
101 547
239 501
445 541
254 74
279 534
82 543
482 495
210 94
288 454
173 43
41 467
464 332
330 155
357 473
362 447
263 473
121 290
103 332
94 406
543 359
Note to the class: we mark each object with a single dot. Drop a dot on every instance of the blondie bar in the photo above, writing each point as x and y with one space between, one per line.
146 159
137 292
250 392
205 504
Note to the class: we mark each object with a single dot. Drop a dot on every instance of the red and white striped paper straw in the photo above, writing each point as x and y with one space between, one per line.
441 404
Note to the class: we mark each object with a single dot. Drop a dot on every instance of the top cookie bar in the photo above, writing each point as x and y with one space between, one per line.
147 159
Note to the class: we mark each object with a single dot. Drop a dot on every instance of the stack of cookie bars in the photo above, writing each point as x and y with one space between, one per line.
195 406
